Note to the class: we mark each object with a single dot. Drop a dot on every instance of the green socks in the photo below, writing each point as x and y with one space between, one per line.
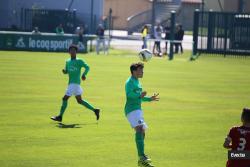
139 139
65 103
87 105
63 107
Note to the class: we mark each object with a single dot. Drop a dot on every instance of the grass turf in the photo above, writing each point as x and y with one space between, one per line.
199 102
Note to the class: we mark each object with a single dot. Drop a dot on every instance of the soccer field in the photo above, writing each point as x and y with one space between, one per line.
199 102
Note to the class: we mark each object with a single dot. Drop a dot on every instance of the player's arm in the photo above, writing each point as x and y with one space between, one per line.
65 71
228 143
155 97
86 67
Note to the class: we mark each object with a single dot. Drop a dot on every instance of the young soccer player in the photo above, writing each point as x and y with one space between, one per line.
73 69
135 95
238 139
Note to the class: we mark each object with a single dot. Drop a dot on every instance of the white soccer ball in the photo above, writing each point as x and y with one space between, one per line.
145 55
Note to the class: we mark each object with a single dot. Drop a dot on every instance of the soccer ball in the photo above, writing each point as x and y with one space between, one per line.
145 55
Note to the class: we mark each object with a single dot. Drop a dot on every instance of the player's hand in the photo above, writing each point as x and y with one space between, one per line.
64 71
144 93
83 77
155 97
227 144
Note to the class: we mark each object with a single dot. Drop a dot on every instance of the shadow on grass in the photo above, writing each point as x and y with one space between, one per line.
65 126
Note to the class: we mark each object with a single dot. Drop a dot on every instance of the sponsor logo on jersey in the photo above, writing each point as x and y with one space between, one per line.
72 69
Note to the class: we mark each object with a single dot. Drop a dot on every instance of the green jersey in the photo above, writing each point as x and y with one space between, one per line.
133 90
73 69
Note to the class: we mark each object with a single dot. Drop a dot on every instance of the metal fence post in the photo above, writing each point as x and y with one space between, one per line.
225 33
110 26
172 32
196 31
153 18
210 31
241 6
91 16
110 21
91 23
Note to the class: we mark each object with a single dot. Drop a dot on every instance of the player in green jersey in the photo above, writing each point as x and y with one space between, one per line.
73 69
134 96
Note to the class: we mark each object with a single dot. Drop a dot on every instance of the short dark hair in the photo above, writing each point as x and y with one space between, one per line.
245 116
135 66
73 46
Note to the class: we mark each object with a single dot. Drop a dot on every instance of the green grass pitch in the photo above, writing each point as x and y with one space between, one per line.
199 102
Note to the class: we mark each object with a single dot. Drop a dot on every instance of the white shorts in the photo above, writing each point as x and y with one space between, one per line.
73 89
135 118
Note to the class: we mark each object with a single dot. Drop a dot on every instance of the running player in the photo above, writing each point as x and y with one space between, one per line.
73 69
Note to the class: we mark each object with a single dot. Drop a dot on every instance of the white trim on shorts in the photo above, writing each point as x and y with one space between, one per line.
135 119
73 89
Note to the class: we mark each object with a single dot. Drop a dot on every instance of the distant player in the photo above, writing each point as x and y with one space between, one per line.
238 139
73 69
135 95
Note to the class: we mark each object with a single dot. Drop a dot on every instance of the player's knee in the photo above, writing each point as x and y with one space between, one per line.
64 98
139 129
79 101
